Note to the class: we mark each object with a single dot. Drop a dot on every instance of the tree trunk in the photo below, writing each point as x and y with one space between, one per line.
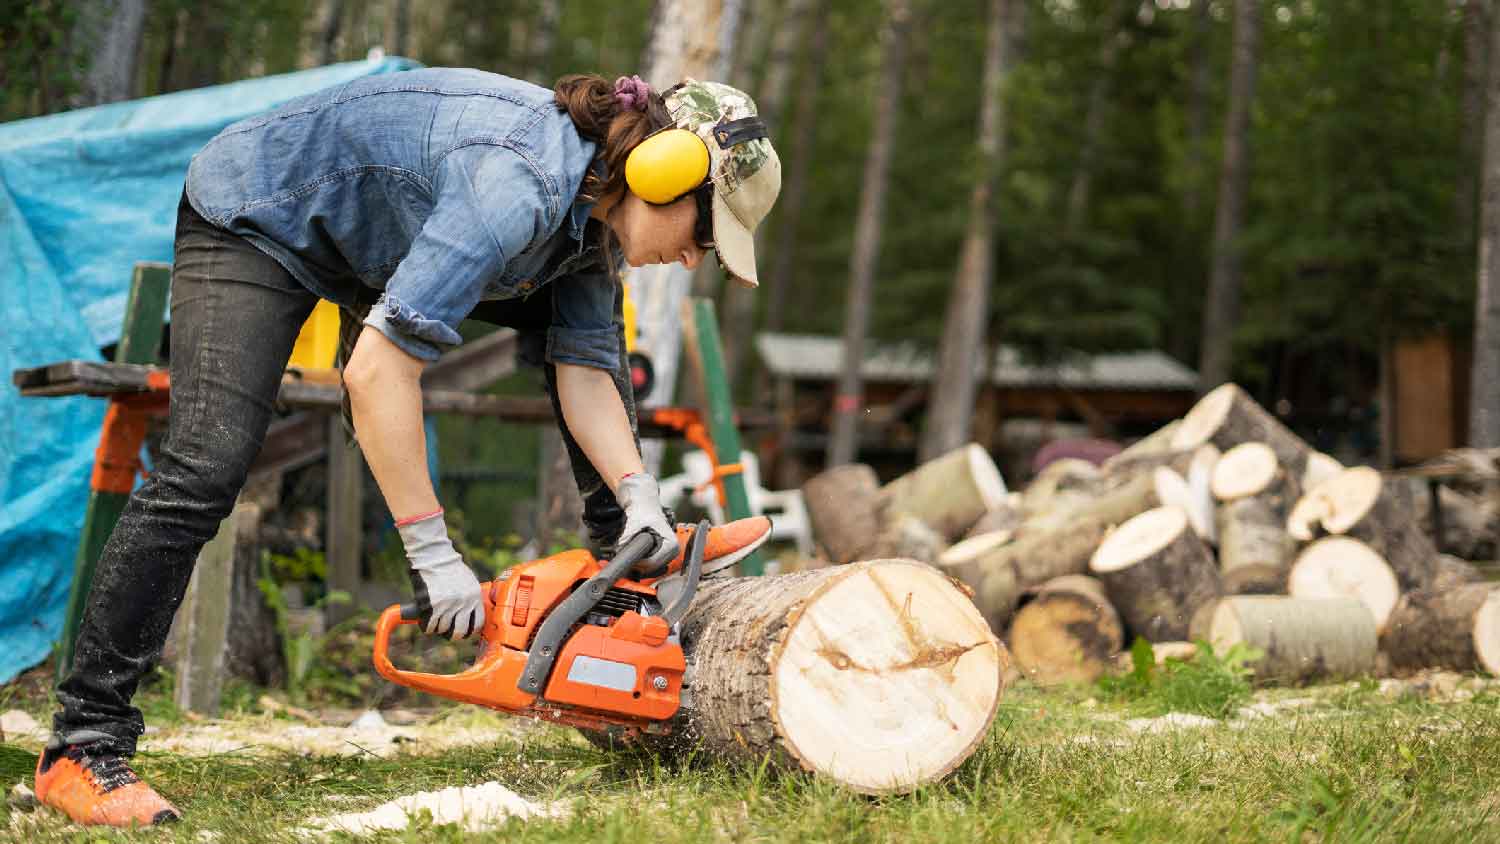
1472 112
880 676
1093 120
1457 628
1221 310
1484 412
1069 633
543 40
1197 112
794 189
110 31
770 99
843 504
1340 567
331 19
848 401
398 28
950 410
1157 573
1302 639
687 39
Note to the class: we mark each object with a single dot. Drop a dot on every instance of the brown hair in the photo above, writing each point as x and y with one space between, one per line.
589 99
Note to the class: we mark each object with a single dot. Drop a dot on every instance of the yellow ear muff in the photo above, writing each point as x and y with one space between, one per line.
666 166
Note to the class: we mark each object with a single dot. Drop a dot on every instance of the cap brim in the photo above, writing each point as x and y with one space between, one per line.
735 244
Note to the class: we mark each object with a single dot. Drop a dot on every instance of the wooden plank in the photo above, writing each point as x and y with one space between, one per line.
346 472
145 311
202 626
719 414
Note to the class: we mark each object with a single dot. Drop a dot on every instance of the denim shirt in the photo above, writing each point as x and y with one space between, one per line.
437 187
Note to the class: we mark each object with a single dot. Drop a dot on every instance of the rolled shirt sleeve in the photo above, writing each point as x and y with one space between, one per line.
586 327
490 203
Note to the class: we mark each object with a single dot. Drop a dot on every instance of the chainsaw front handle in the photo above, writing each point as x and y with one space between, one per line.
460 686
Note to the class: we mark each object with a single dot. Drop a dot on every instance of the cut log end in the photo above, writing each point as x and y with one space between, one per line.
1350 496
1139 538
1487 634
1205 418
1339 567
1246 469
1068 633
887 679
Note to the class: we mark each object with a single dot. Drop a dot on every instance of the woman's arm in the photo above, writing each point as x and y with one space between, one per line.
385 393
596 417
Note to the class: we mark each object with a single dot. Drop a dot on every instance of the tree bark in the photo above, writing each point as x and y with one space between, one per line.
1484 398
1157 573
1458 628
950 410
1197 112
849 399
843 504
1472 114
950 493
1081 186
1069 633
794 190
110 31
739 301
1221 310
879 676
1301 639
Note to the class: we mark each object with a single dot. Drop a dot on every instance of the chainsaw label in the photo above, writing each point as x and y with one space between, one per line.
602 672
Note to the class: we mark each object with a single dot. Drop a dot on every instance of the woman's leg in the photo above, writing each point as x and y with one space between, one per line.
235 316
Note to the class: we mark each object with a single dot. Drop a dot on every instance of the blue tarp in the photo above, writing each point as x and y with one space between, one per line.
84 195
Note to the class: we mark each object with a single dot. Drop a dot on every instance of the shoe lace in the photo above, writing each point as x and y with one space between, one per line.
109 770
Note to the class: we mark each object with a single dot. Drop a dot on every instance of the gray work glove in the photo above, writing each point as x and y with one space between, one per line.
447 592
640 498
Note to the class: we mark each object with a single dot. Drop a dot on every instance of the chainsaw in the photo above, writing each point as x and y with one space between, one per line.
571 639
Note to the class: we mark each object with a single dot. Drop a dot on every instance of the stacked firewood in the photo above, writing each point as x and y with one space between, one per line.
1222 526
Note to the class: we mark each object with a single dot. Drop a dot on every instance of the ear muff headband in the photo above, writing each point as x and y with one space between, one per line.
667 166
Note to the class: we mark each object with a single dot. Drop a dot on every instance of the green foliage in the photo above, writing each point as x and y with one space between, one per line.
300 648
1209 684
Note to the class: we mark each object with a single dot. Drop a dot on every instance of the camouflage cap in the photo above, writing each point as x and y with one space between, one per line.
746 174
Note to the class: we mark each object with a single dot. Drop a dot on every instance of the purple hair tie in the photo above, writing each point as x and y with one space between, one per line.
632 93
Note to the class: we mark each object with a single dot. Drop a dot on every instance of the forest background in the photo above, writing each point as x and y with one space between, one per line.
1351 183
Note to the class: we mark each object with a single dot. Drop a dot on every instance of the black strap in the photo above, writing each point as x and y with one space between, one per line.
732 132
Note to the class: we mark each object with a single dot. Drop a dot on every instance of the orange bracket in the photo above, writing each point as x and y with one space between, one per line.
690 423
118 458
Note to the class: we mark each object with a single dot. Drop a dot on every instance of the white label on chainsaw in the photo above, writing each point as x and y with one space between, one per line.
602 672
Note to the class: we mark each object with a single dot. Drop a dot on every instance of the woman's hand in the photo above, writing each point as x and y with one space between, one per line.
447 592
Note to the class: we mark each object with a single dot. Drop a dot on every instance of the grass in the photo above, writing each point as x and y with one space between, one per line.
1059 765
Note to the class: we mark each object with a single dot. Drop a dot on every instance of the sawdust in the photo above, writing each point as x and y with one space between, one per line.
1169 721
473 808
368 735
17 725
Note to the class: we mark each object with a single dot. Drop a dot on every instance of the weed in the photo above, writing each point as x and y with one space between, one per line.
1210 684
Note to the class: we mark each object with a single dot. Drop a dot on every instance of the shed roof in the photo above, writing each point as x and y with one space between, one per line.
819 357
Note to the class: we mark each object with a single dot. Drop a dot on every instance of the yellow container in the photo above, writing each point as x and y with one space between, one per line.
627 312
318 342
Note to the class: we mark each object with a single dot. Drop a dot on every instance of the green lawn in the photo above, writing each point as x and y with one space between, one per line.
1352 764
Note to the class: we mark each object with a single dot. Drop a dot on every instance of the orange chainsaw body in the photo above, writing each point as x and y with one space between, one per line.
621 669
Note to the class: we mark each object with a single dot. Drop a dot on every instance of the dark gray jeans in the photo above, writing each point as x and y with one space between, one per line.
235 315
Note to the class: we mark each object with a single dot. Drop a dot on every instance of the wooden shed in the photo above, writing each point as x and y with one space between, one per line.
1021 405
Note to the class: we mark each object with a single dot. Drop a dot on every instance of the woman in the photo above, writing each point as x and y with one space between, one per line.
413 200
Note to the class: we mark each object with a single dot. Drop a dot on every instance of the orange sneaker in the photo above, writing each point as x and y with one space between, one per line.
727 543
98 787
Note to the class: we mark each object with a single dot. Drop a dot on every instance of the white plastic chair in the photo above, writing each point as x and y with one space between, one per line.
789 521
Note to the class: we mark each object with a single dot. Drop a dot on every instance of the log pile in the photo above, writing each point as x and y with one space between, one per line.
1222 526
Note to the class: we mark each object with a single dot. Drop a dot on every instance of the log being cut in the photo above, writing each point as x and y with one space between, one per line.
1157 573
1458 628
1068 633
1340 567
950 493
1301 639
881 676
